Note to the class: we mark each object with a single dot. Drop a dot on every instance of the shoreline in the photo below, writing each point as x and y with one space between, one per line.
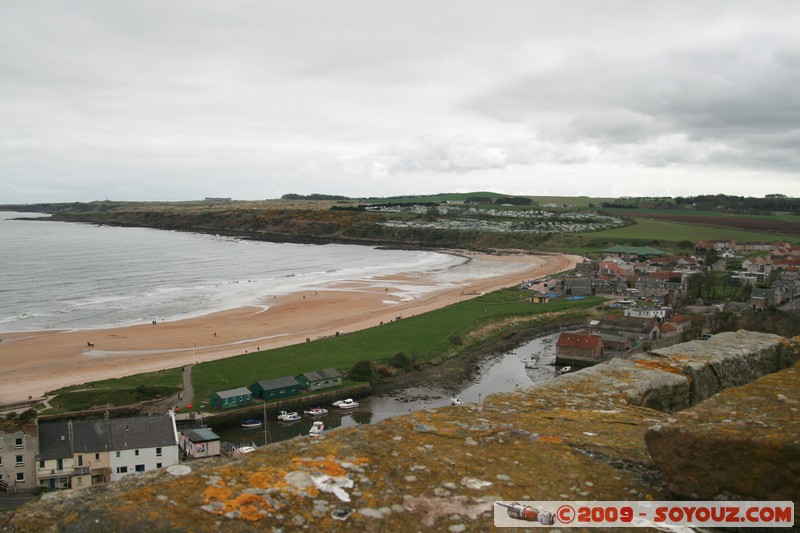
35 362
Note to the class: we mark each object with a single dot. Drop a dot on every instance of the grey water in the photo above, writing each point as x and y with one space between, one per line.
59 275
522 367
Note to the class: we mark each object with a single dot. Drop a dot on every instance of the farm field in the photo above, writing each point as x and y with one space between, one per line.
669 230
785 224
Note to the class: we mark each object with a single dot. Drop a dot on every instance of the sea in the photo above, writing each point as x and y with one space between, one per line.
68 276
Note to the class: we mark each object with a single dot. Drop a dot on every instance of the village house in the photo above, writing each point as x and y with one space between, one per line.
615 330
56 464
761 299
271 389
759 267
578 348
615 266
320 379
141 444
19 447
75 454
658 313
669 331
670 286
717 245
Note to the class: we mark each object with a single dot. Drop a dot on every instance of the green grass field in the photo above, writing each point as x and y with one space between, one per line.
431 338
121 391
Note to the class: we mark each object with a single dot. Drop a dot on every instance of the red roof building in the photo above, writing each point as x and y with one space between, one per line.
579 345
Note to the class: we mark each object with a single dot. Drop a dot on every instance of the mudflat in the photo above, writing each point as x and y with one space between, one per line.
36 362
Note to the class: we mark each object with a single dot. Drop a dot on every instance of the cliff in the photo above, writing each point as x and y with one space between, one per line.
581 436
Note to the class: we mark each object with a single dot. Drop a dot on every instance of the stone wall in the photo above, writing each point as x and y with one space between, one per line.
579 436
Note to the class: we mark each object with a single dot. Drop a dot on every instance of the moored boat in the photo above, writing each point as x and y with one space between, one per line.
288 416
349 403
456 401
250 423
316 428
315 411
241 450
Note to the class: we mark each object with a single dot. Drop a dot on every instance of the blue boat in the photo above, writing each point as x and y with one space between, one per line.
250 423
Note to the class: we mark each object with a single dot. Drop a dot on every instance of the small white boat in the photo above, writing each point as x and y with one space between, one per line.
349 403
565 369
241 450
315 411
316 428
288 417
455 401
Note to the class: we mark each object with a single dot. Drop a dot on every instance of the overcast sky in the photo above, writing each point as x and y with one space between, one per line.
174 100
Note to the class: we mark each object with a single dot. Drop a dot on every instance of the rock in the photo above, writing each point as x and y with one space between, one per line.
754 454
727 360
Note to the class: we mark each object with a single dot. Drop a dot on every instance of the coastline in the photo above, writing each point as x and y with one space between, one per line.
36 362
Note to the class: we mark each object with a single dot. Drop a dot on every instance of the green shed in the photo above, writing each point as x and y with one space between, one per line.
231 398
275 388
320 379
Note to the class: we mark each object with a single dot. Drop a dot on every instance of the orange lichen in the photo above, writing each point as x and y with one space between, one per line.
658 365
266 477
249 506
328 466
216 493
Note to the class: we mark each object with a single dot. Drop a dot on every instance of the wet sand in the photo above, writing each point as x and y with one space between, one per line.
36 362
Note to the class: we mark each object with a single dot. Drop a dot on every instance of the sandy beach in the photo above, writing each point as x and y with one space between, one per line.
36 362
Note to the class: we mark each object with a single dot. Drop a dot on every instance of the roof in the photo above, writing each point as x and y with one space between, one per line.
277 383
90 435
578 340
142 432
632 250
625 323
319 375
762 293
54 440
230 393
200 434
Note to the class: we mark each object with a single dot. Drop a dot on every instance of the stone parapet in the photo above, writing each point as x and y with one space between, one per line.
743 444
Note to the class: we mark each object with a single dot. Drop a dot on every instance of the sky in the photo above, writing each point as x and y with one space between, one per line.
179 100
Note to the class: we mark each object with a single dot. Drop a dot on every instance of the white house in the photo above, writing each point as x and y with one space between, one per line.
141 444
647 312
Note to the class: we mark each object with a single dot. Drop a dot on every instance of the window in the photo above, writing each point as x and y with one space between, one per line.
158 452
140 468
1 462
122 469
20 476
118 455
41 464
136 453
18 442
158 465
20 460
80 460
97 457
